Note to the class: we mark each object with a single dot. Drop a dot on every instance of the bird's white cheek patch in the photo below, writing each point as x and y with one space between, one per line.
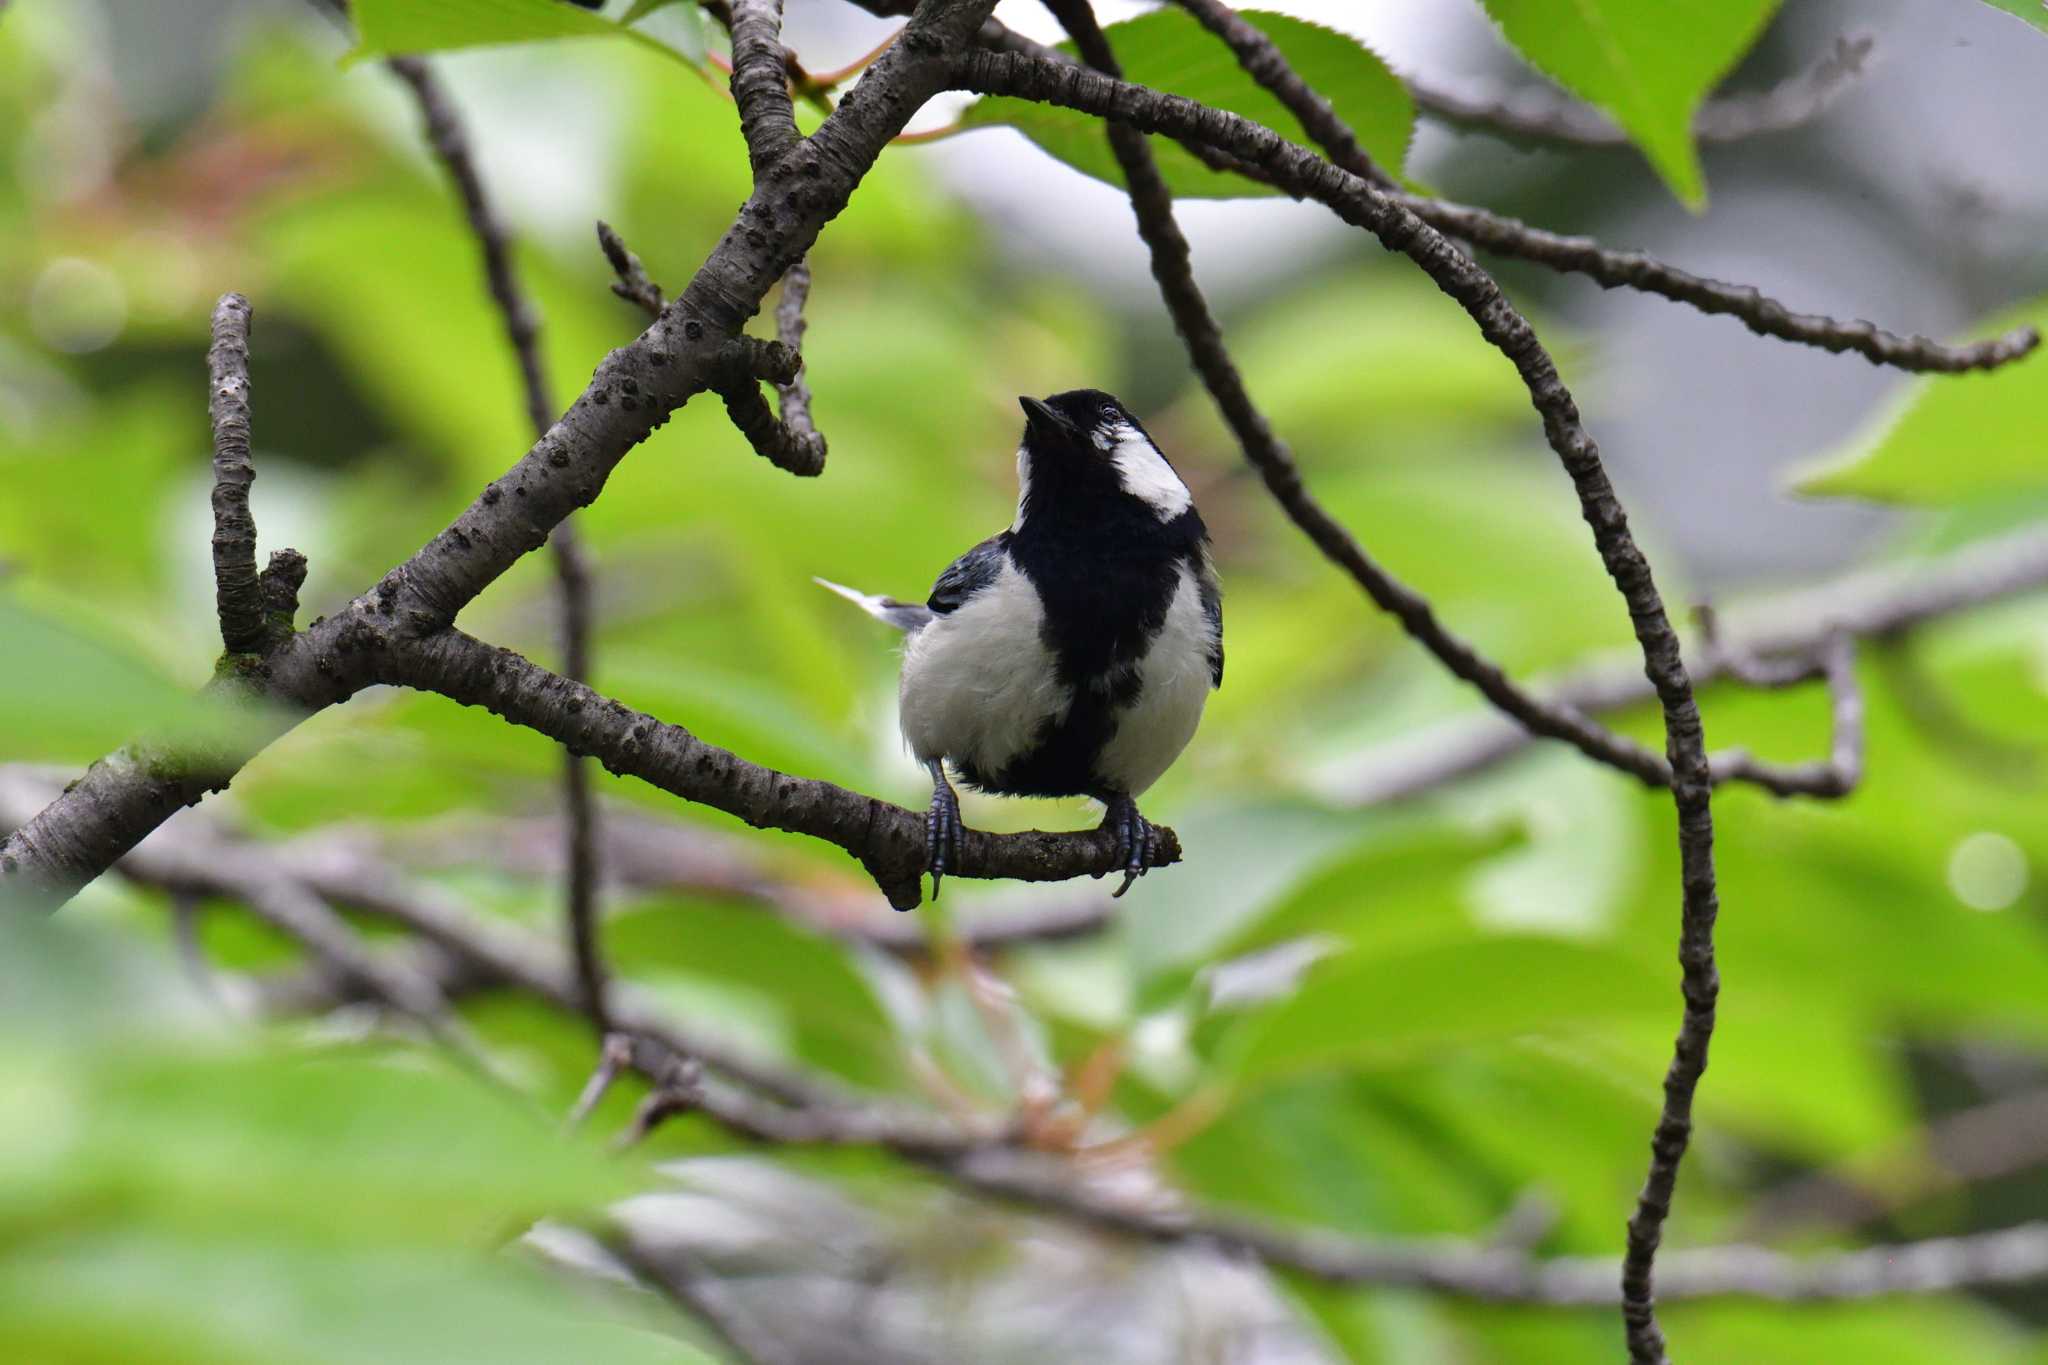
978 682
1146 475
1175 675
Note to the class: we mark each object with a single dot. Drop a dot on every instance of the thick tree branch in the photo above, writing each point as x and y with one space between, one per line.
572 565
237 593
887 840
1548 116
631 393
1360 204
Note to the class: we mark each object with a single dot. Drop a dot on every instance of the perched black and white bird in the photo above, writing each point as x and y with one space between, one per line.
1072 654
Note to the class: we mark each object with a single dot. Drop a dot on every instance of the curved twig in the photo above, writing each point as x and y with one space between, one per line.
1358 203
572 563
1548 116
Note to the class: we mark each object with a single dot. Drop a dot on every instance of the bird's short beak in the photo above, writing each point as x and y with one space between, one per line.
1042 419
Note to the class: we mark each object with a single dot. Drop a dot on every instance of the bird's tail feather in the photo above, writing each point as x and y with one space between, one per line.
905 616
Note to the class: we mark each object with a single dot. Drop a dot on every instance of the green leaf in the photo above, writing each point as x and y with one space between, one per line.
389 28
1951 437
676 26
1167 50
66 694
334 1149
2033 12
123 1294
829 1013
1648 65
1402 1005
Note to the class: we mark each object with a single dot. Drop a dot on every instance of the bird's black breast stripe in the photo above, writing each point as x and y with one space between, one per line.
1106 592
968 574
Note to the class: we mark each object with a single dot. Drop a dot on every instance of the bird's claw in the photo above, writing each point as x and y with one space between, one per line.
1137 841
943 832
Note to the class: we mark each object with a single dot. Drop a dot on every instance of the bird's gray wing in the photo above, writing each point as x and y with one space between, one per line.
969 574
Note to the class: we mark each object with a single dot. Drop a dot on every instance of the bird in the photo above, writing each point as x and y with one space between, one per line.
1072 654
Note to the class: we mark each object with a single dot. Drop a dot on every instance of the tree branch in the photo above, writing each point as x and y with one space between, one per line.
646 853
1172 267
1263 61
1358 203
632 392
1757 311
1504 236
760 82
237 593
795 396
632 284
988 1162
572 565
887 840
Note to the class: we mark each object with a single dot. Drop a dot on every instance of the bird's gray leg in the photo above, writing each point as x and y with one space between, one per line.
942 828
1137 843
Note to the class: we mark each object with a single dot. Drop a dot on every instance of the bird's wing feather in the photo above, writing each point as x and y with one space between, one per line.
907 617
968 575
1212 608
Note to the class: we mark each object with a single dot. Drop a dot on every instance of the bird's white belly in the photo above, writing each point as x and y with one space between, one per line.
979 684
1176 678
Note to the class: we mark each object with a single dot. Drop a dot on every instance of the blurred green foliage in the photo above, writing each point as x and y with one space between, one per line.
1402 1019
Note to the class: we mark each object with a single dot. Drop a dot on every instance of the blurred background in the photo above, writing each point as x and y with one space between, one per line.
1441 1016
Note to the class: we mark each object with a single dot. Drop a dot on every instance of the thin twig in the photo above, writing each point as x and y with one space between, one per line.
795 396
572 566
632 284
1263 61
1171 268
1873 604
237 594
1755 310
1545 115
1360 204
1611 269
613 1056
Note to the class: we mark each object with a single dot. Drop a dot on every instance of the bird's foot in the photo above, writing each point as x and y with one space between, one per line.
1137 842
943 830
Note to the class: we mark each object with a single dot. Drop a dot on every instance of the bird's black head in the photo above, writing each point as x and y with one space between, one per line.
1085 458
